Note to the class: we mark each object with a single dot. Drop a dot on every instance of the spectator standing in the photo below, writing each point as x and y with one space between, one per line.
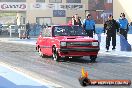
110 27
76 20
124 25
89 25
71 22
28 30
0 28
99 31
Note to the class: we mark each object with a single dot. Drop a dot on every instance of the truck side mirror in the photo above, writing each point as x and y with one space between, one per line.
40 33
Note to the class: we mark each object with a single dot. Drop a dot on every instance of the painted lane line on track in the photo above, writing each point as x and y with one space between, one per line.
115 54
31 76
121 55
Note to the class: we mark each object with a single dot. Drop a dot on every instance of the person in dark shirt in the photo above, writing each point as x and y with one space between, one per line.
111 27
27 30
0 28
76 20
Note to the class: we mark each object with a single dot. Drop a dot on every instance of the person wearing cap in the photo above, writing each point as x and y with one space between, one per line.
89 25
123 22
76 20
111 28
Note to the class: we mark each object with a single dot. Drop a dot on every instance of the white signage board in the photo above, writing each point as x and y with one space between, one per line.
71 7
13 6
54 6
37 6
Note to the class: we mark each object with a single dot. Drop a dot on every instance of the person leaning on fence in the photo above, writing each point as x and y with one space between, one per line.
110 27
89 25
76 20
124 25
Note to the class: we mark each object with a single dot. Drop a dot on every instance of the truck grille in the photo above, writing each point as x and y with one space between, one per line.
79 44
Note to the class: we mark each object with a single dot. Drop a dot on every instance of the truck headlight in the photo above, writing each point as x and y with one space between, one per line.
95 43
62 43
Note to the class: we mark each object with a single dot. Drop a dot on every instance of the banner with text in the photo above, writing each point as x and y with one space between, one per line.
13 6
52 6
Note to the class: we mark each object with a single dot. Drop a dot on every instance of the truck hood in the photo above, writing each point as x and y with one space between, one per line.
75 38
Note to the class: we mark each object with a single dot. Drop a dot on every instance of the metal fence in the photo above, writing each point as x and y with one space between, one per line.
35 30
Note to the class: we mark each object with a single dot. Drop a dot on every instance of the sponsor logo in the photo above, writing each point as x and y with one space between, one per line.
85 81
51 6
37 5
13 6
71 7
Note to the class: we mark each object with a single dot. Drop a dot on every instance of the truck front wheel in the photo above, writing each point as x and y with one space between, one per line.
93 58
55 56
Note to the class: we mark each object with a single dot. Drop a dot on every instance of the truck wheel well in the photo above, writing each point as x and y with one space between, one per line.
52 47
37 47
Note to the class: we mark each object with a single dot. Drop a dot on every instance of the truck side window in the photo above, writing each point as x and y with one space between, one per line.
47 32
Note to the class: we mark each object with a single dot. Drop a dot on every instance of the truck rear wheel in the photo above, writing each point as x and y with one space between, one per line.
40 53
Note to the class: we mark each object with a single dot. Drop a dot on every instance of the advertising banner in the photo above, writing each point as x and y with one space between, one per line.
13 6
52 6
71 7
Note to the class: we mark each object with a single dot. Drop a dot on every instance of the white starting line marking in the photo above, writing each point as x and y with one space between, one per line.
23 73
114 54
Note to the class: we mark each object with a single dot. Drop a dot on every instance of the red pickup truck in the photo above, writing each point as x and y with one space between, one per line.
66 41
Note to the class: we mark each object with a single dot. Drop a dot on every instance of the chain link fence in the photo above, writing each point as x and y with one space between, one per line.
34 31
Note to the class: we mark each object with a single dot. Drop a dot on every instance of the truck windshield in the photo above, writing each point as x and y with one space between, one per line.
69 31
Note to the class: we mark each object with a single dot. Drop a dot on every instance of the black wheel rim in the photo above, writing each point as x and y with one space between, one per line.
55 54
40 53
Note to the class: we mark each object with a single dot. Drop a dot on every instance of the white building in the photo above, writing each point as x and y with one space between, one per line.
61 11
44 11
